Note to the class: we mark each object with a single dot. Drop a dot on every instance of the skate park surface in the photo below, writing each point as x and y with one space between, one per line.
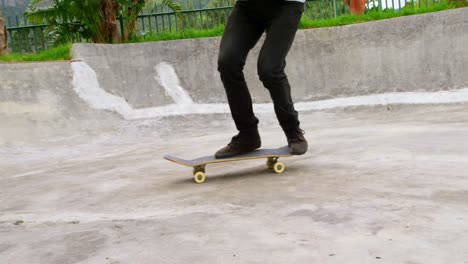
82 178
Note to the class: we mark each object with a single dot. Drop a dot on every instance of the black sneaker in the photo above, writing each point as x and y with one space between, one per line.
297 143
240 144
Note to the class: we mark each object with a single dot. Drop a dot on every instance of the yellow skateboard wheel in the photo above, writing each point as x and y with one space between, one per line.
279 167
199 177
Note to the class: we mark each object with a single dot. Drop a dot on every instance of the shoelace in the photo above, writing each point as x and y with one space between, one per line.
296 135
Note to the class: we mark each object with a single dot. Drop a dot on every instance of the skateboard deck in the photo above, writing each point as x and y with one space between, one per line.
199 164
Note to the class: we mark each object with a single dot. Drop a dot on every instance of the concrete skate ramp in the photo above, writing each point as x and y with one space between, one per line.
37 100
416 53
106 84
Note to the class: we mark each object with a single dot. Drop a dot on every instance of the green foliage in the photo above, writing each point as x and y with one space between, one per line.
458 3
58 53
172 5
94 20
69 20
324 9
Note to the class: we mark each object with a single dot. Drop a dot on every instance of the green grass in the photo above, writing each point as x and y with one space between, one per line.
56 53
349 19
63 52
186 34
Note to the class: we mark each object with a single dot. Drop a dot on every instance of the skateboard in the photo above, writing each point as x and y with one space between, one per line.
199 164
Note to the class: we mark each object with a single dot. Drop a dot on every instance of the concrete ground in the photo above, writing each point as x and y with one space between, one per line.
379 185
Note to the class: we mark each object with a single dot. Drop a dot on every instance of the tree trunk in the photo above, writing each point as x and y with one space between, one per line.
109 32
3 38
130 19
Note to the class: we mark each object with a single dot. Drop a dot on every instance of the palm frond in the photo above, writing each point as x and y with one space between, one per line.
39 16
174 6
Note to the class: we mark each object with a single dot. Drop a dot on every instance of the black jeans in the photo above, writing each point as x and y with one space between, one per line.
246 24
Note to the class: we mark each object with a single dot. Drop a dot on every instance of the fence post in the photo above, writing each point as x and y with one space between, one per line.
334 9
121 23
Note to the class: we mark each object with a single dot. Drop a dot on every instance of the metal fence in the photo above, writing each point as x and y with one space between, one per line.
28 39
194 14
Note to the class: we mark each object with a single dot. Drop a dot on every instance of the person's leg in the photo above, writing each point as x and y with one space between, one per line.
240 36
271 64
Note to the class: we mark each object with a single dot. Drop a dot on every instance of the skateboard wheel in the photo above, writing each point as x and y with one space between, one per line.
199 177
279 167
